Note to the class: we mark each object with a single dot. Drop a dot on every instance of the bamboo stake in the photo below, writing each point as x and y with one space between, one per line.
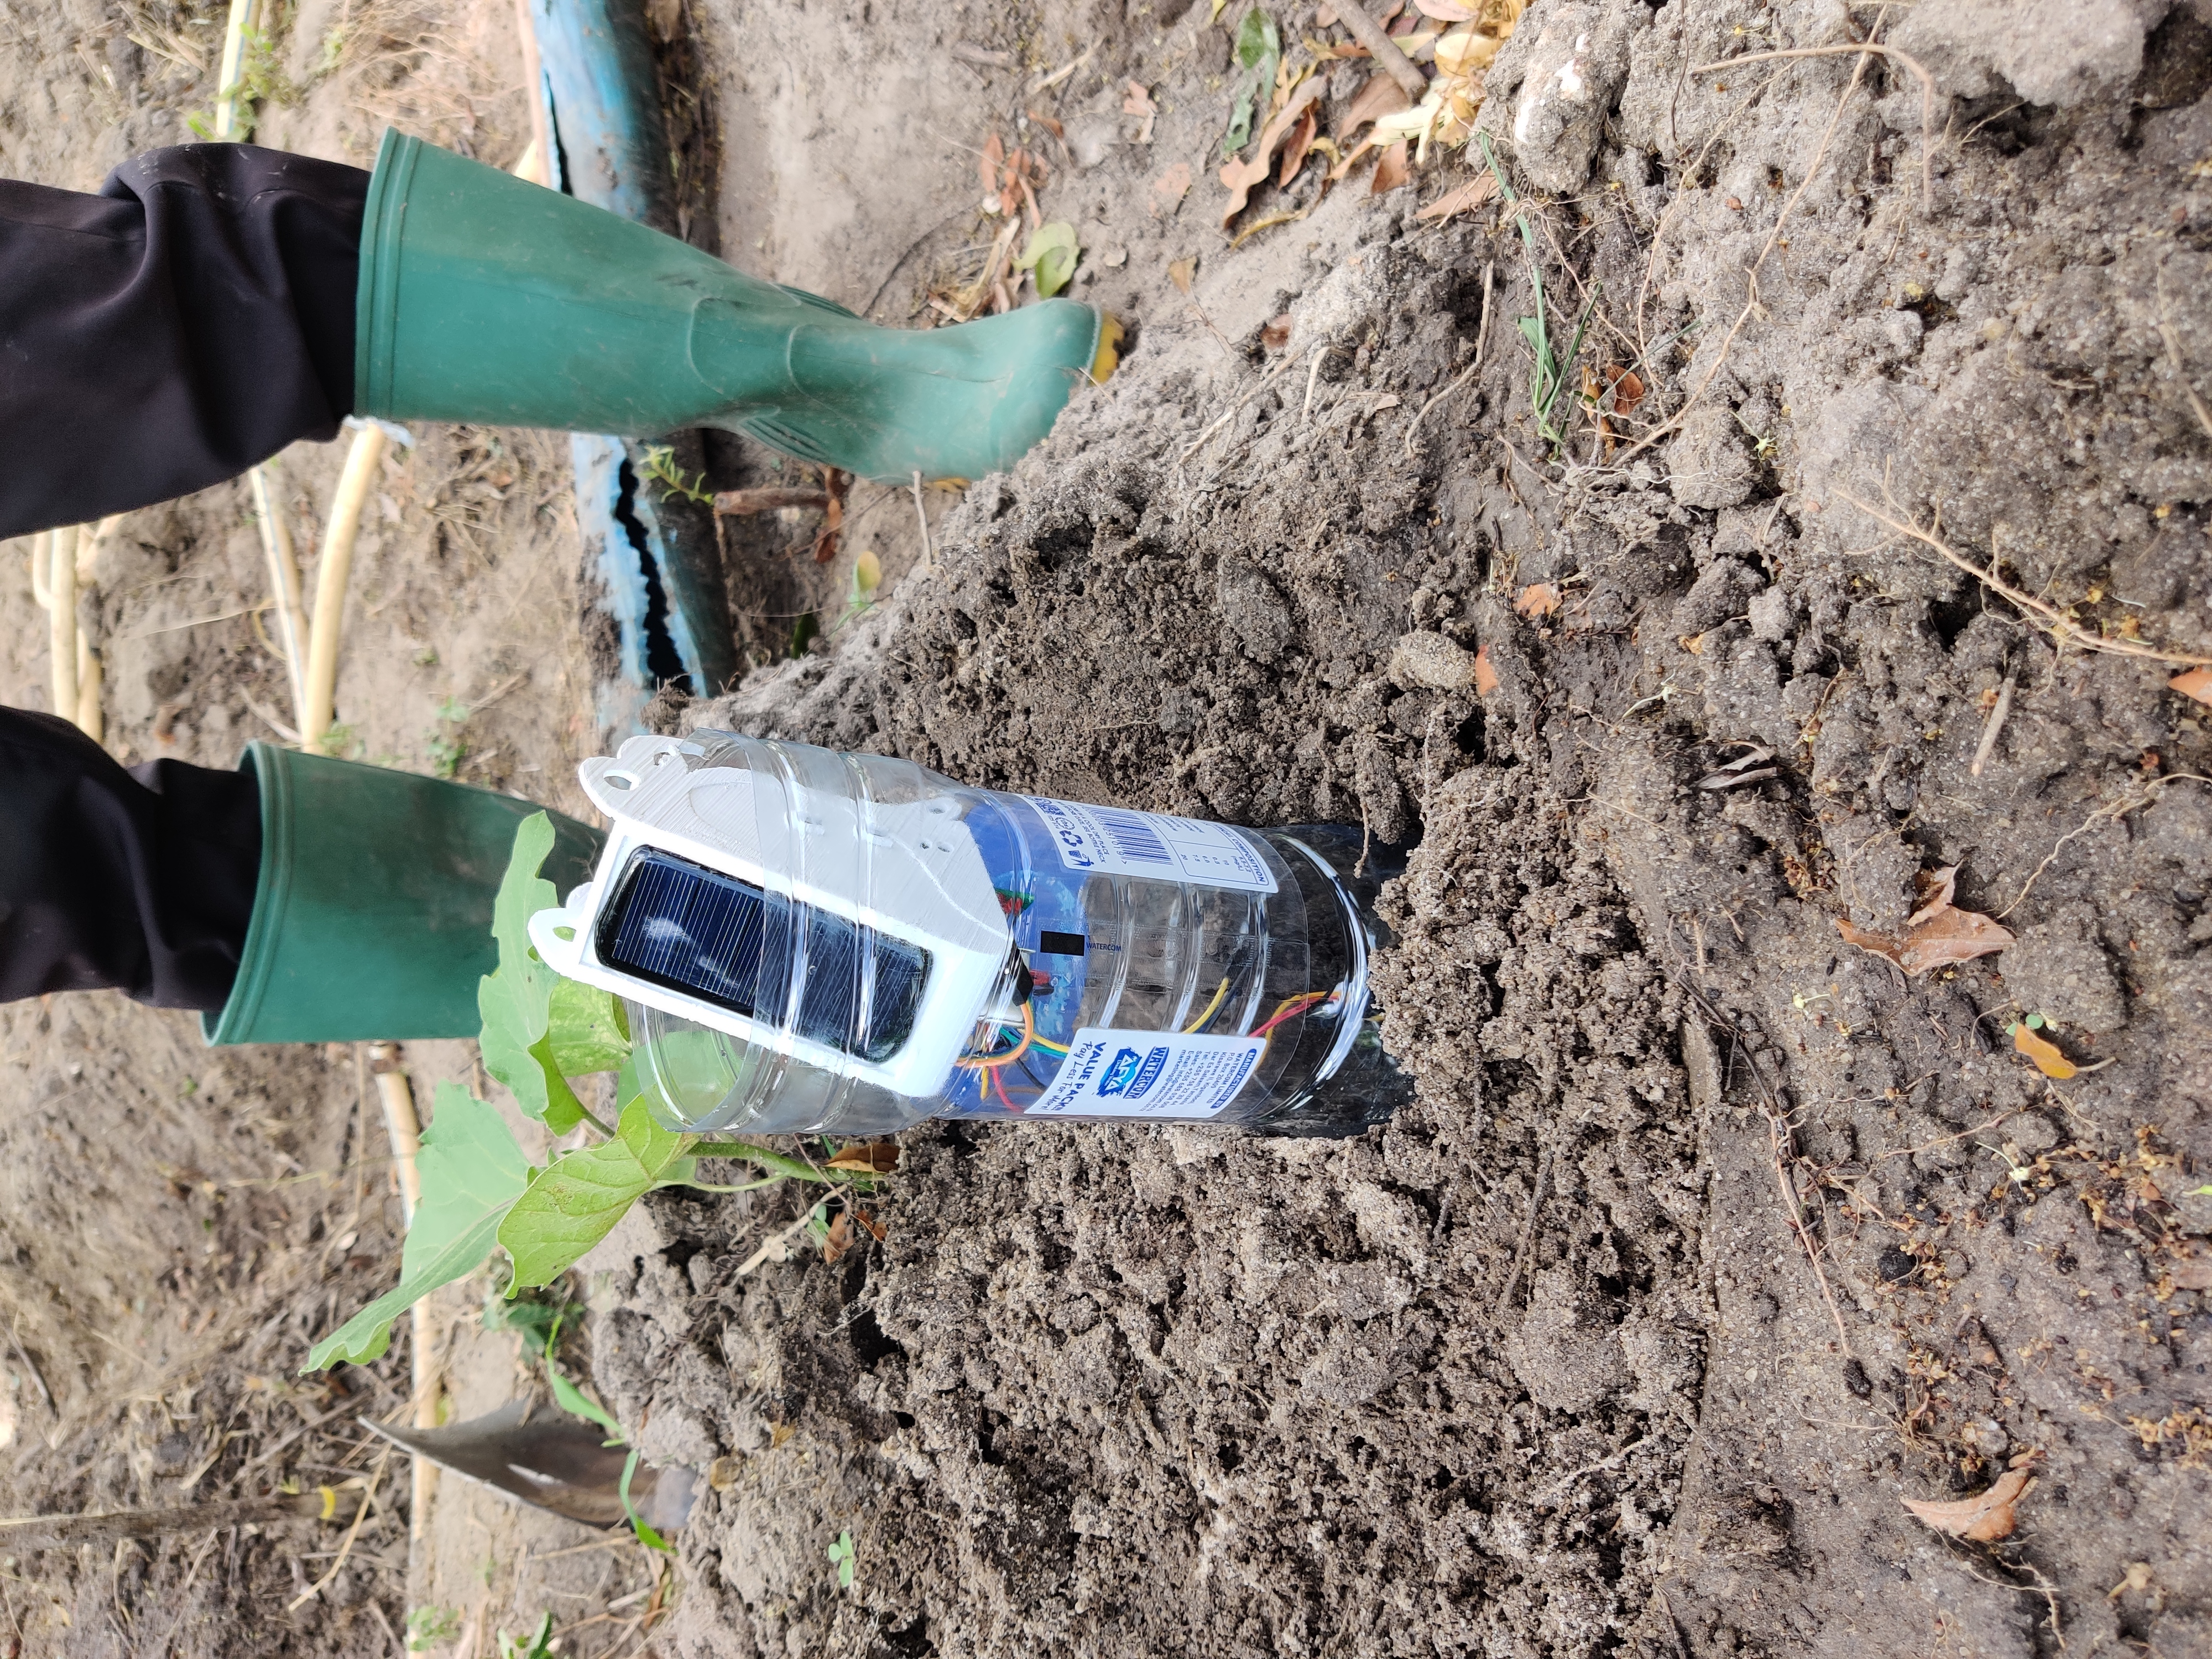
42 561
334 571
537 163
89 680
284 585
61 618
234 55
403 1129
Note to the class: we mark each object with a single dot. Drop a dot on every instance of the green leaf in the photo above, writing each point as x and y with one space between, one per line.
578 1200
516 1001
1052 252
587 1028
840 1557
574 1401
646 1535
539 1645
1259 53
472 1173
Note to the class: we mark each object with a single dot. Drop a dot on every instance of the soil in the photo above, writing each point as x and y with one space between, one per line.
1711 1236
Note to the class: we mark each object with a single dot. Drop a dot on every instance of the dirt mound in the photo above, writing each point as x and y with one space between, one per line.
1712 1236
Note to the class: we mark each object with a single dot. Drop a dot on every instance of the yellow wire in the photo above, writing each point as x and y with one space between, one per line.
992 1062
1210 1007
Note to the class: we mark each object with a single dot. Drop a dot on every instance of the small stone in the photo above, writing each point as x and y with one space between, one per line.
1432 662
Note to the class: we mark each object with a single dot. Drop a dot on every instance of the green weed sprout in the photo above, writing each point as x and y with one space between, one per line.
659 465
840 1557
1549 374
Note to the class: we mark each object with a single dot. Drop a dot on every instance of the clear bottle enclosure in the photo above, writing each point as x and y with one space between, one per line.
813 941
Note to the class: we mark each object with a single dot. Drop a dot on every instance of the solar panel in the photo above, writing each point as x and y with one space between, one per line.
678 924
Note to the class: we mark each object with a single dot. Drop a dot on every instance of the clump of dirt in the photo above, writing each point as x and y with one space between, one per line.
1711 1236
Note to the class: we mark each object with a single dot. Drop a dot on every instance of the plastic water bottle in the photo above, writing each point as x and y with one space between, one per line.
809 941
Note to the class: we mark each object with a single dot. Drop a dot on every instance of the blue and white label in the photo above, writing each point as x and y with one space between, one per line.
1151 1074
1112 841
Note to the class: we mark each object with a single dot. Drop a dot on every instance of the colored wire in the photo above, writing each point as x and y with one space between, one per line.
1047 1045
1289 1007
993 1076
1210 1007
992 1062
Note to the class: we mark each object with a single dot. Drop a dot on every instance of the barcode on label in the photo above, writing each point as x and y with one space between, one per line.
1131 837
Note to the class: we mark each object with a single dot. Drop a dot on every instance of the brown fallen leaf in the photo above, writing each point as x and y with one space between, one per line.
2196 683
2046 1055
1049 124
1537 599
1693 643
1298 146
1277 332
1951 936
1467 198
1168 191
1934 888
839 1239
1180 272
867 1157
1981 1520
1381 96
1485 676
1243 176
1137 102
1628 388
987 164
1395 168
877 1230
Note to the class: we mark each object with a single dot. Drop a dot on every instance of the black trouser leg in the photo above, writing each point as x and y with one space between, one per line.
139 881
190 320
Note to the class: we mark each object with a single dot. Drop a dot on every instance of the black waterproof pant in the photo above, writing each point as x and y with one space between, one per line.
141 881
190 320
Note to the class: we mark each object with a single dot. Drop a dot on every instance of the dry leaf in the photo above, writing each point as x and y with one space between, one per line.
1381 96
2138 1578
1982 1520
840 1237
1485 676
993 156
1693 643
1300 142
1950 936
1395 168
1934 887
1537 599
1048 125
2196 683
867 1157
1241 176
1168 191
1277 333
2048 1059
877 1230
1180 272
1447 11
1628 388
1467 198
1137 102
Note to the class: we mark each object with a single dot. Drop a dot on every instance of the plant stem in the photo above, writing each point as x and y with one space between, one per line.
797 1168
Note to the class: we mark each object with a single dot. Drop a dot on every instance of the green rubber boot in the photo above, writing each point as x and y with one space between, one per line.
488 298
371 917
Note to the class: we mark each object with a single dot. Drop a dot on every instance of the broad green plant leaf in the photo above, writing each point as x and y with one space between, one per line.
516 1001
578 1200
472 1173
646 1535
1259 54
586 1029
1052 252
574 1401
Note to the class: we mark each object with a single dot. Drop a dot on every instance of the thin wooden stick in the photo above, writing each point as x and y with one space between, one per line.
61 618
89 681
539 156
22 1533
1927 95
345 1548
739 502
234 54
284 588
333 572
403 1128
1383 49
2061 627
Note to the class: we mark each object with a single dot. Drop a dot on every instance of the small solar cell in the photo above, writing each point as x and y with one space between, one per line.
678 924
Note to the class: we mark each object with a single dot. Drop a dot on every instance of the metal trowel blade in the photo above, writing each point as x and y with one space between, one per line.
544 1457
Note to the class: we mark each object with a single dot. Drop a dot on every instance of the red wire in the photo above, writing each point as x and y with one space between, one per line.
1295 1005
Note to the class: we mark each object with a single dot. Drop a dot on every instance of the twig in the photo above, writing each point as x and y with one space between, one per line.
2119 809
771 499
1045 83
1927 95
1673 423
403 1128
1991 727
1528 1232
2166 331
284 581
1482 328
1383 49
61 619
336 569
21 1534
1207 436
1414 425
345 1547
2061 627
1779 1139
1564 1481
390 1635
31 1365
928 550
774 1248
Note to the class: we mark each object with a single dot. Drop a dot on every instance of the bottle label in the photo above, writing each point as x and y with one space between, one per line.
1113 840
1151 1074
